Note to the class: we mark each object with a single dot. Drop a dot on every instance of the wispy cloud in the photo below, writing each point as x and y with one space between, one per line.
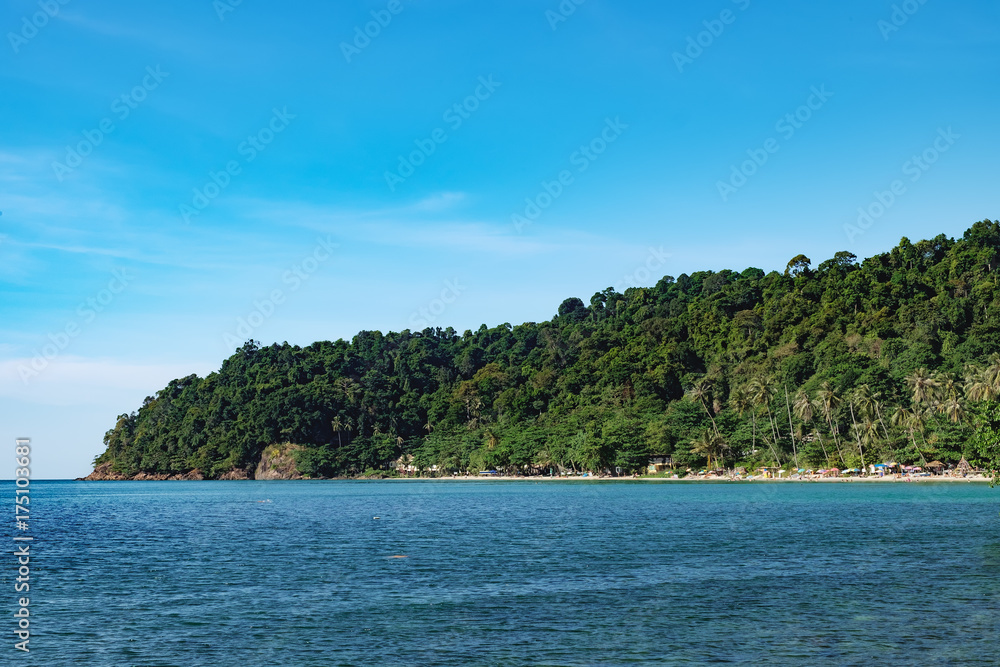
104 28
439 202
433 223
121 31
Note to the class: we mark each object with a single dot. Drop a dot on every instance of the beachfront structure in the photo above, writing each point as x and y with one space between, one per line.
660 463
963 467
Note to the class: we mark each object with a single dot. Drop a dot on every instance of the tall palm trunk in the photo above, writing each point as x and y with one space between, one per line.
914 441
923 440
772 444
857 435
888 441
771 422
878 412
711 417
836 440
826 457
774 451
788 407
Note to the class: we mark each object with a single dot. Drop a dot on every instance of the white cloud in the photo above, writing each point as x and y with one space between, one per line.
439 202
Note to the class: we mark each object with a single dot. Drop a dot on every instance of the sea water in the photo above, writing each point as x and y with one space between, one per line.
508 573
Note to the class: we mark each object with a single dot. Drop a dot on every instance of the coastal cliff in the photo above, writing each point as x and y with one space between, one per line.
104 472
278 462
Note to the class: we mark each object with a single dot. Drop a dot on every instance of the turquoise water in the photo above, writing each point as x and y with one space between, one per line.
510 573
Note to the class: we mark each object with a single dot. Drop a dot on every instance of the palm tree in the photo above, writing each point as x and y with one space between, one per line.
908 420
869 433
863 400
829 400
491 439
953 409
950 388
788 409
337 427
700 393
991 373
979 385
871 408
802 406
878 413
741 403
857 433
347 387
544 459
762 394
708 444
869 405
924 386
804 409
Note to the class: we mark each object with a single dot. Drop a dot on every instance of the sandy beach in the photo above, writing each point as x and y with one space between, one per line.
972 479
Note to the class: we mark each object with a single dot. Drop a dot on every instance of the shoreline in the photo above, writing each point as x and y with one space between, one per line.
728 480
540 478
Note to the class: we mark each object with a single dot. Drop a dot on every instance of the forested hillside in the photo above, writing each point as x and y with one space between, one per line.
835 363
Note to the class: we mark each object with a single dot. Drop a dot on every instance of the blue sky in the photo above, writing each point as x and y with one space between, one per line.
175 175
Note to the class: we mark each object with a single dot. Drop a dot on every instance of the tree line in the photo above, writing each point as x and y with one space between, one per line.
848 363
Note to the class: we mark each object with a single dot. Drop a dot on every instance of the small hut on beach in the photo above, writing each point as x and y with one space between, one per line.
963 467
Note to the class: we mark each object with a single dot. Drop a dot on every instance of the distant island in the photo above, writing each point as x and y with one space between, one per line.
891 359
